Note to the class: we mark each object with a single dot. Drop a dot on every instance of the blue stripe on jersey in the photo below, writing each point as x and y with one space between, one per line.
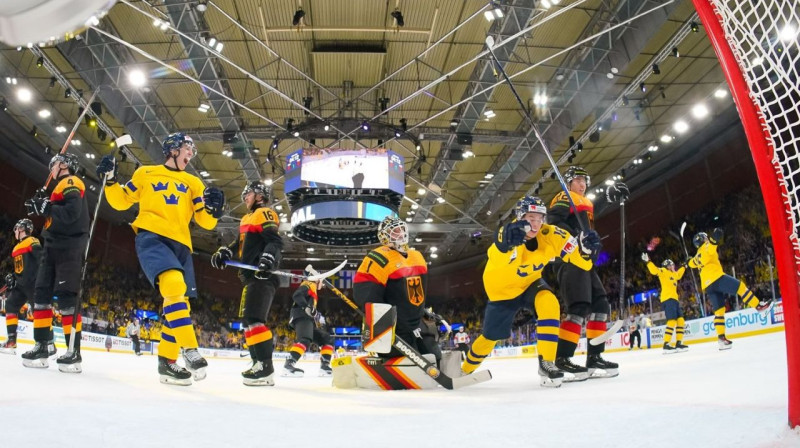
168 338
175 307
197 200
131 186
182 322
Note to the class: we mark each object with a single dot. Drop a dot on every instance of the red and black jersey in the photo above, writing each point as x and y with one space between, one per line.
68 223
258 233
562 215
388 276
26 254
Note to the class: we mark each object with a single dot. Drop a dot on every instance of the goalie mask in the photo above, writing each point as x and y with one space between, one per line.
529 204
393 232
577 171
71 160
700 239
257 187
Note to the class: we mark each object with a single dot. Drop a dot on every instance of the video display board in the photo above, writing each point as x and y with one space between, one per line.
377 168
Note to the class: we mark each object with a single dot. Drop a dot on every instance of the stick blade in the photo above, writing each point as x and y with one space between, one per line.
320 276
471 379
683 227
607 335
123 140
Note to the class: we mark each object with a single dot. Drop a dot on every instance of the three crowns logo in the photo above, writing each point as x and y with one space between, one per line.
171 199
160 186
181 187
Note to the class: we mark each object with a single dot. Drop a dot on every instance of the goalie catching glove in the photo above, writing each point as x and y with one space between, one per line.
220 257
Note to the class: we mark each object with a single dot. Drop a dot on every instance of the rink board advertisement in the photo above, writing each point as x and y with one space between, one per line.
373 168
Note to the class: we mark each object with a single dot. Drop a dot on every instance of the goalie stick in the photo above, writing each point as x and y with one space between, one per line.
412 354
313 278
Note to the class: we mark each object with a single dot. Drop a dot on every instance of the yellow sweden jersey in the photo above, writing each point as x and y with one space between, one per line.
507 275
707 260
668 279
167 201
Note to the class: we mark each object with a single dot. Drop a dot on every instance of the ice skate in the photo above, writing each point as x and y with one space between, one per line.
681 348
70 362
325 369
9 347
290 370
51 349
724 343
195 363
549 375
600 368
36 357
670 350
171 373
572 372
260 374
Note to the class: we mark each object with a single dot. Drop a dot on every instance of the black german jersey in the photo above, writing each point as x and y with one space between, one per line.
68 223
26 255
258 233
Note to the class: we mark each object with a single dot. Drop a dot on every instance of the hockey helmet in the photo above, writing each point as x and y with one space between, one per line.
529 204
257 187
387 234
577 171
24 224
71 160
667 263
175 141
700 239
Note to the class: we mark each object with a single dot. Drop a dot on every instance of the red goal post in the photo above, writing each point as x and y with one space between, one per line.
756 43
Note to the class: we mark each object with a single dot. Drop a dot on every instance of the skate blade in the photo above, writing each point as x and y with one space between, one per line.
289 374
40 363
8 351
575 377
266 381
70 368
600 373
682 350
324 373
725 347
165 379
671 352
199 374
550 382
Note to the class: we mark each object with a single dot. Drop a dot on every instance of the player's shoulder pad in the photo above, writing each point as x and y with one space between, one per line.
70 182
559 199
35 241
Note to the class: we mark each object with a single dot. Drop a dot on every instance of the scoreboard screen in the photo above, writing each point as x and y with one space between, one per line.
377 168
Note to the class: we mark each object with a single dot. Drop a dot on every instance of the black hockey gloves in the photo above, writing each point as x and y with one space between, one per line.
220 257
107 168
214 200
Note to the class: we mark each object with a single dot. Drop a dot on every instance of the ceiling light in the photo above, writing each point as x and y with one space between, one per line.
545 4
434 255
591 196
44 113
24 95
365 126
680 126
296 134
609 182
666 138
420 191
136 78
428 220
488 113
269 183
643 87
440 200
204 107
675 52
278 207
310 249
787 33
695 27
434 249
720 93
468 154
409 219
656 69
652 148
419 147
218 47
201 7
418 239
700 111
488 176
40 61
327 127
414 206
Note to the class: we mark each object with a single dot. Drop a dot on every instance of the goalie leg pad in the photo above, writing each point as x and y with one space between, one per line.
380 320
368 372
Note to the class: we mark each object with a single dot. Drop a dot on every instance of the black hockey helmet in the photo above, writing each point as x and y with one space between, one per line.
257 187
699 239
71 160
577 171
25 224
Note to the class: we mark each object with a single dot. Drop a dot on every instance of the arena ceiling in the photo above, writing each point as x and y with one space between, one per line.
605 80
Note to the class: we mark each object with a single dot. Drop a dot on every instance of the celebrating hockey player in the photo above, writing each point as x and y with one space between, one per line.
582 290
668 276
258 243
716 284
302 319
20 284
168 198
65 234
396 275
513 280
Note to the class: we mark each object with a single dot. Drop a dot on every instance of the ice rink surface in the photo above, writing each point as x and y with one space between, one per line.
703 397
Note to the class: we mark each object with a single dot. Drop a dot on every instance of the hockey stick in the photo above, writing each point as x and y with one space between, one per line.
608 334
403 347
694 279
313 278
527 115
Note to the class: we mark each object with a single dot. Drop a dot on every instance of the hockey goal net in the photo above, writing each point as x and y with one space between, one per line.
756 42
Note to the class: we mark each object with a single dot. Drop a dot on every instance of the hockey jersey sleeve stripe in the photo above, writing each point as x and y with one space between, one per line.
197 200
23 250
366 277
408 271
131 186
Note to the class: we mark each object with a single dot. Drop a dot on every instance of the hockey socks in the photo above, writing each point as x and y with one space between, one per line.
66 324
11 326
168 347
259 339
297 351
595 328
548 312
748 298
670 330
719 321
480 349
568 336
679 331
42 321
326 352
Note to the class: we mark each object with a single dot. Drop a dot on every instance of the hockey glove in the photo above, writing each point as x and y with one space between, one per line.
310 311
511 235
524 316
220 257
107 168
11 281
214 201
716 235
590 242
645 257
265 264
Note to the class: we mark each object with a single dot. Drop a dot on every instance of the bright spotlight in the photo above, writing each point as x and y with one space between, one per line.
680 126
788 33
720 93
24 95
700 111
137 78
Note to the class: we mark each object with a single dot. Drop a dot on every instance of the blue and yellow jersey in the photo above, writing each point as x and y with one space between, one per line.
507 275
68 223
562 215
167 201
387 276
707 260
668 279
26 255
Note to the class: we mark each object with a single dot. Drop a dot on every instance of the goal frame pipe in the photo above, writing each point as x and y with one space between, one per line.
772 191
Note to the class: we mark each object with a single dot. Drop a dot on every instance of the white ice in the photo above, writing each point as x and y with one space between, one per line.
704 397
